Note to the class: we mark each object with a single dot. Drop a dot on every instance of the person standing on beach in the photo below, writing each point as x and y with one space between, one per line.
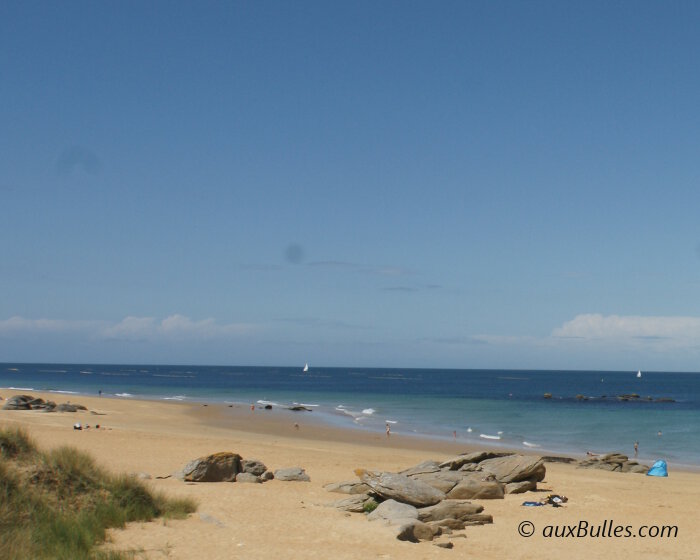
636 448
388 430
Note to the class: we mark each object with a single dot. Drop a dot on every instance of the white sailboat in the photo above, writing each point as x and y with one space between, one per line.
639 373
306 368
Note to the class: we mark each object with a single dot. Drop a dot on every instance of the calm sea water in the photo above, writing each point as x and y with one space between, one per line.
504 404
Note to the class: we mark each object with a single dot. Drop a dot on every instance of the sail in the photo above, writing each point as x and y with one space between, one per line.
306 367
639 373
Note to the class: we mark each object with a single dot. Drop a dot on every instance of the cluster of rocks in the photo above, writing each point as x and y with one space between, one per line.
613 462
28 402
627 397
226 466
431 498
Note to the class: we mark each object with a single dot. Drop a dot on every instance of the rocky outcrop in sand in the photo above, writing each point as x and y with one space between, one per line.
431 498
616 462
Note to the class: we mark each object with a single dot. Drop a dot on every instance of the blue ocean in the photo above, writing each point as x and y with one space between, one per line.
484 407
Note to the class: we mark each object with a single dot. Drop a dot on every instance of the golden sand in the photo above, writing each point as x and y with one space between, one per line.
280 520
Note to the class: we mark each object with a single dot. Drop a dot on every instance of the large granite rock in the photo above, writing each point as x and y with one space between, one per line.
441 480
514 468
393 486
219 467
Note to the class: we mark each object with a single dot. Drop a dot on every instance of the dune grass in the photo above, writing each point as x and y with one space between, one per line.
59 504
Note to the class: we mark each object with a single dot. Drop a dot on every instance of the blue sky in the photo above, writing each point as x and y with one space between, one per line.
452 184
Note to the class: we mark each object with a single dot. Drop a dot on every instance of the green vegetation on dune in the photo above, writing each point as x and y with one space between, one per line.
59 504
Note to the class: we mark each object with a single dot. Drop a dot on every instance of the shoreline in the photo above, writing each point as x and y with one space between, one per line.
289 519
280 422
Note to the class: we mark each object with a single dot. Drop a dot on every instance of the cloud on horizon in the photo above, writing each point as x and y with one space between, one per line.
175 326
672 330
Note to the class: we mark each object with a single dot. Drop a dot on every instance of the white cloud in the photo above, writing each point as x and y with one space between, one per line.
130 328
22 324
681 331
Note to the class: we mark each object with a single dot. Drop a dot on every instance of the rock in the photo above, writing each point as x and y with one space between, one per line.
415 531
441 480
473 487
423 468
292 474
450 524
514 468
556 459
18 402
353 504
299 407
458 462
617 458
65 407
394 512
521 487
444 544
449 509
248 477
401 488
253 466
267 475
219 467
348 487
478 519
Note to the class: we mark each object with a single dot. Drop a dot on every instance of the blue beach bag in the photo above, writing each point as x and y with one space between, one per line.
658 469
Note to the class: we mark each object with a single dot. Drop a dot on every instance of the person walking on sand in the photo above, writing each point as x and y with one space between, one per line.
388 430
636 448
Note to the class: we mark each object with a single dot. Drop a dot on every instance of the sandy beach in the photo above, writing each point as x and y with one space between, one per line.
292 519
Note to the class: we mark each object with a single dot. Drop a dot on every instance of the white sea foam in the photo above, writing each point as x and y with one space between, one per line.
63 392
391 421
469 430
305 404
22 388
265 403
486 436
125 395
175 398
528 444
368 411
